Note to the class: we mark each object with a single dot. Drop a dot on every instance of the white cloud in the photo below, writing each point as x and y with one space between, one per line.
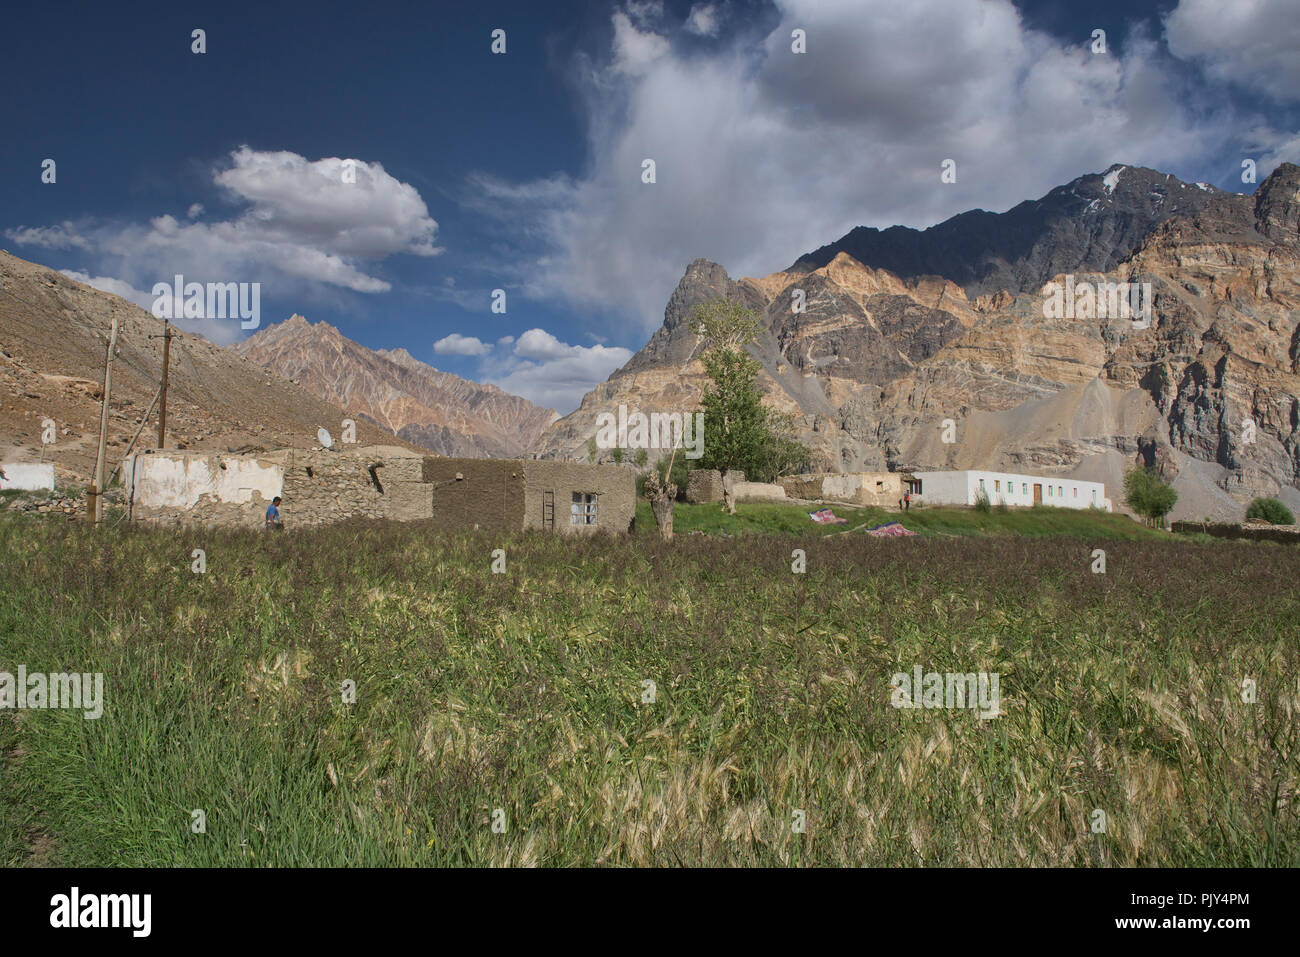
703 20
302 223
763 154
549 372
645 12
635 51
1253 43
63 236
115 286
458 345
313 203
221 332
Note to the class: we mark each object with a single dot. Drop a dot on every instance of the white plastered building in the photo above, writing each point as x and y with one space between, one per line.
1006 488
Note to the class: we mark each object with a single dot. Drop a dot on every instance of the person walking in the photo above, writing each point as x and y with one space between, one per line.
273 519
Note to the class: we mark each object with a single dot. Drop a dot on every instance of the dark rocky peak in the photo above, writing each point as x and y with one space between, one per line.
1087 225
673 342
1277 203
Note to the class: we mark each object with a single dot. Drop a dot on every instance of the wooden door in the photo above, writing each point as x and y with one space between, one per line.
1038 494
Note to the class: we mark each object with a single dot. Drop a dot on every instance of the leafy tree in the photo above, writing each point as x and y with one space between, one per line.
1147 495
740 433
1271 511
591 449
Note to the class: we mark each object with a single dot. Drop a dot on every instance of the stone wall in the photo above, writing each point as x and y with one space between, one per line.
861 488
758 492
199 487
1262 533
319 487
704 486
322 486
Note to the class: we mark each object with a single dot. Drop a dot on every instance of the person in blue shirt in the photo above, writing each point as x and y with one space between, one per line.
273 514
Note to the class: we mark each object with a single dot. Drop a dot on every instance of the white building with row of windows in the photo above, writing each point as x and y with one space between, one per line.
1005 488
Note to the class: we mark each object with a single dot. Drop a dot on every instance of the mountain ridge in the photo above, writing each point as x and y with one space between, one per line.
430 408
877 361
53 339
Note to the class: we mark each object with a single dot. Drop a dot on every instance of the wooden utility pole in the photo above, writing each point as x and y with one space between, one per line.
162 408
94 502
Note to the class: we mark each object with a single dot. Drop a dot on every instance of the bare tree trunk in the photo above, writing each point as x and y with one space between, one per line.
663 510
662 499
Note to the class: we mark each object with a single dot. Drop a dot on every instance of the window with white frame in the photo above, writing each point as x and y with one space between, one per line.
583 510
997 485
1024 488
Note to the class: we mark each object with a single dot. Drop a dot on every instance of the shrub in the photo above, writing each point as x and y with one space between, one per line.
1147 495
1271 511
982 501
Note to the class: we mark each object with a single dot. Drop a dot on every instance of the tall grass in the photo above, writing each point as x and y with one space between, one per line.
523 692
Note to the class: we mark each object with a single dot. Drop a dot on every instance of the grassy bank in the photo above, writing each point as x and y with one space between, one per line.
523 692
1039 522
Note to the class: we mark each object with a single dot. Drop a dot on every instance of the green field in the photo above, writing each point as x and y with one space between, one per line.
522 691
1038 522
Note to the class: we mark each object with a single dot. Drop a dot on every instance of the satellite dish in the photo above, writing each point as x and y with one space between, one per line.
323 436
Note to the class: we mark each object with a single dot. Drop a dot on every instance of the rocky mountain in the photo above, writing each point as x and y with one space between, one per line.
950 323
1088 225
53 339
432 409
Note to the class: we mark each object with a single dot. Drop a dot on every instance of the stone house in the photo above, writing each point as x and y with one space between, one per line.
320 487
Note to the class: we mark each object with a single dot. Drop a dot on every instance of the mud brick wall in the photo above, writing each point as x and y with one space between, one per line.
614 488
489 493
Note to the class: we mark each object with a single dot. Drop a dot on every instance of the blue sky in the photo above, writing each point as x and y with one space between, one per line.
477 171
